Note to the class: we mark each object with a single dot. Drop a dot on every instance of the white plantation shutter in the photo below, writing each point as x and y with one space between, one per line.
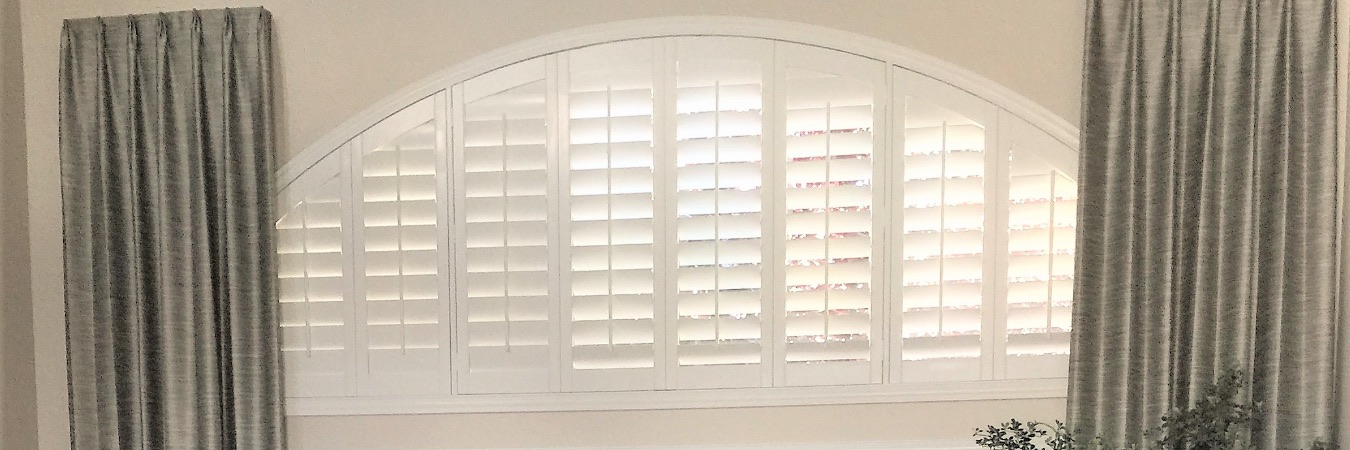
721 205
678 213
1041 216
405 334
506 300
832 252
316 313
947 145
611 227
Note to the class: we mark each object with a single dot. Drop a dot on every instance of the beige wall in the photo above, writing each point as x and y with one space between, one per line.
18 426
337 58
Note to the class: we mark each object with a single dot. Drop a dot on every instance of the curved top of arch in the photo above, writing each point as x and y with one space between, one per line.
795 32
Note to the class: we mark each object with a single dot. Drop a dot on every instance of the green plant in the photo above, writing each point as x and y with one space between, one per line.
1219 420
1015 435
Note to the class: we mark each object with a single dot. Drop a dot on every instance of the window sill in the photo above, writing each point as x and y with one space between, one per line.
690 399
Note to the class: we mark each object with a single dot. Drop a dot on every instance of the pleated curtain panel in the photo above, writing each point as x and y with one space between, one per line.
166 131
1209 233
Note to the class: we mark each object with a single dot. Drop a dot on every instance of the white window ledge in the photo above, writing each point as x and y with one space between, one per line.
683 399
945 444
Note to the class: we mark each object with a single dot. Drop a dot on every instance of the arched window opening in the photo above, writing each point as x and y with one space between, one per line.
673 214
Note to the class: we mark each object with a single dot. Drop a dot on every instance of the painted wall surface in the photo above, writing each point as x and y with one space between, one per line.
336 58
18 425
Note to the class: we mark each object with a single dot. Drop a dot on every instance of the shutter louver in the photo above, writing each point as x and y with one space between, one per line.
400 256
612 211
829 240
1041 217
720 226
942 294
504 301
315 311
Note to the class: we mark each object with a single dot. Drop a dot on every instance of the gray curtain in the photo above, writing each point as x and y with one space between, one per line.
167 164
1209 216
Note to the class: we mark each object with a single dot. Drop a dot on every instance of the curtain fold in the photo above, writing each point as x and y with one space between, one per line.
1209 214
166 141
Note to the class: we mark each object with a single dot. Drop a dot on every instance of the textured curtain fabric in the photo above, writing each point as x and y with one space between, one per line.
1209 214
166 164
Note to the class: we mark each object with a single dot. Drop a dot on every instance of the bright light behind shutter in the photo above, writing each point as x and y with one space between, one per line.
504 308
400 254
943 244
682 212
611 211
829 241
1041 218
315 312
720 225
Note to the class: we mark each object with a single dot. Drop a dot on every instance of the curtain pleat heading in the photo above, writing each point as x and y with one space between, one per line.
1209 214
167 144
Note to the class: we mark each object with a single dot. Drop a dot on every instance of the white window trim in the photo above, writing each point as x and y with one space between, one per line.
913 444
683 399
893 55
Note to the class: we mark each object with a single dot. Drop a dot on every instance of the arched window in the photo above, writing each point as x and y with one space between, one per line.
667 214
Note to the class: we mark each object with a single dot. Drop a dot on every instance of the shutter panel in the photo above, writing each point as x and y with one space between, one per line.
611 284
944 287
1041 218
316 313
503 187
721 226
831 100
406 340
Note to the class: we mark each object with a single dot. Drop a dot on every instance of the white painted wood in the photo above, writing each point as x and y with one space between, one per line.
953 444
1025 146
683 399
613 110
457 253
895 248
413 368
664 126
354 315
803 71
313 370
998 277
939 109
447 240
503 119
